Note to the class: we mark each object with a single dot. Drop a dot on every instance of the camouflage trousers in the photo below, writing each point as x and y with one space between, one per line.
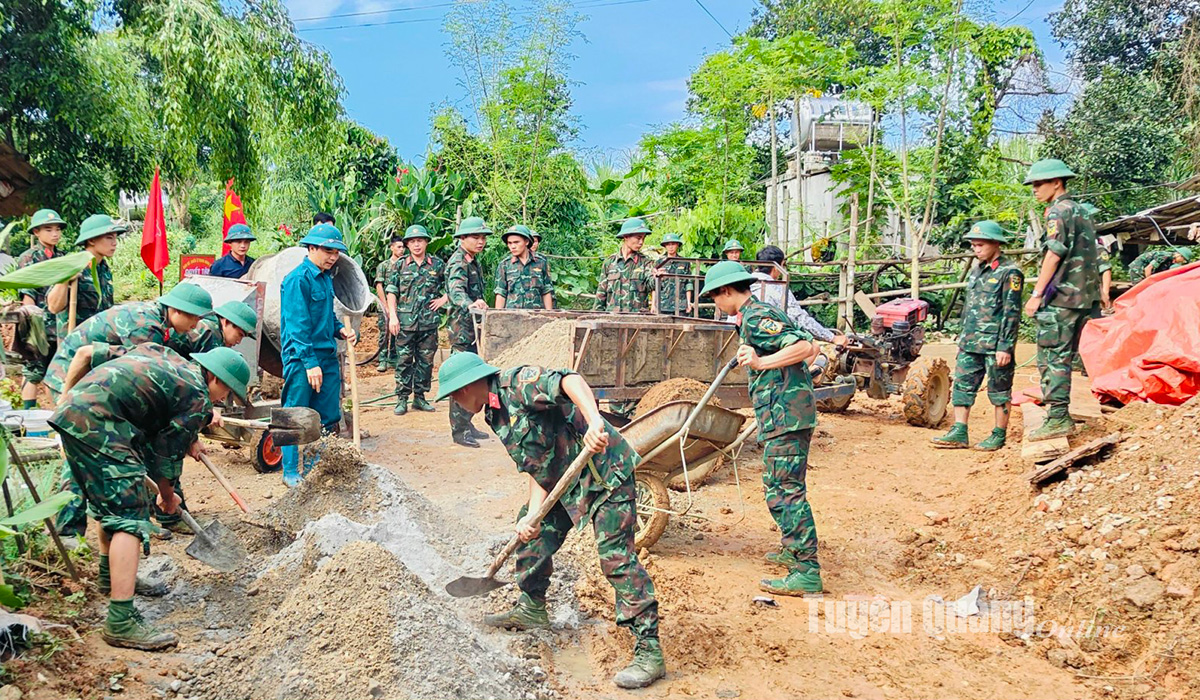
116 492
414 361
387 341
460 418
1058 332
969 371
785 463
35 370
614 522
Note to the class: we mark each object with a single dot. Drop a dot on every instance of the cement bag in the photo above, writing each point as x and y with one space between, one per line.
1149 349
352 294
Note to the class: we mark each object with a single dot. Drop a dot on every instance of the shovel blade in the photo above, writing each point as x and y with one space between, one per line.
217 546
282 437
468 586
304 423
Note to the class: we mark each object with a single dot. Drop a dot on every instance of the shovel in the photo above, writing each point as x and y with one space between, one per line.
294 425
215 545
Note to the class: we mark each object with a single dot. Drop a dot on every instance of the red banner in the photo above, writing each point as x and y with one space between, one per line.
190 265
154 232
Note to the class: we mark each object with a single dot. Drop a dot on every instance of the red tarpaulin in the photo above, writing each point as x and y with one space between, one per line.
1149 349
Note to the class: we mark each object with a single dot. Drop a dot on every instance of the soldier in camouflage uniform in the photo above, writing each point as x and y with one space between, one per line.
1066 291
547 280
732 250
98 236
520 278
383 273
626 284
674 293
464 288
545 417
111 334
991 317
46 227
1155 261
133 418
776 351
414 302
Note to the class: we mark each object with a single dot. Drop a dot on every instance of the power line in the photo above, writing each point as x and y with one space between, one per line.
713 17
380 12
1021 12
584 5
369 24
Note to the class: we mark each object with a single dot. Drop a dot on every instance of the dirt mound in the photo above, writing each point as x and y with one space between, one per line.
677 389
362 625
1110 555
339 483
548 346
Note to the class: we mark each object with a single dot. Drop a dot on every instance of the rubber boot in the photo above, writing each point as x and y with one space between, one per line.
28 404
782 558
401 406
802 580
291 465
420 404
1055 426
477 433
646 667
465 440
382 366
125 627
956 439
994 441
527 614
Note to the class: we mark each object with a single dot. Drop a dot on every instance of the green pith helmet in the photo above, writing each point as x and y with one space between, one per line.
632 227
1186 253
519 230
472 226
1048 169
239 232
98 225
537 236
45 217
672 238
325 236
228 365
986 230
724 273
732 244
239 314
189 299
416 231
459 370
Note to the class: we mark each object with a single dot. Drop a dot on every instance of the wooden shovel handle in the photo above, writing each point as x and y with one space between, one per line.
73 305
353 367
224 482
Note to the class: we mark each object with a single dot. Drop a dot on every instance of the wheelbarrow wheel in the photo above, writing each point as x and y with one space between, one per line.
267 456
698 475
651 523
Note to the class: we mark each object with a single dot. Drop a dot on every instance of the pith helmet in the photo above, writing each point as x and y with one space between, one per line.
732 244
672 238
239 232
98 225
416 231
189 299
986 230
45 217
239 314
227 365
459 370
472 226
1048 169
519 230
633 227
324 236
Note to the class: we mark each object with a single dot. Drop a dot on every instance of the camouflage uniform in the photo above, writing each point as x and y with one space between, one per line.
991 317
90 300
547 279
522 284
464 284
625 284
133 417
542 431
786 411
670 287
1159 258
415 286
387 341
206 336
1069 299
35 371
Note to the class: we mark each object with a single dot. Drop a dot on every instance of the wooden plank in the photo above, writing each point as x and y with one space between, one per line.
865 303
1043 450
1070 459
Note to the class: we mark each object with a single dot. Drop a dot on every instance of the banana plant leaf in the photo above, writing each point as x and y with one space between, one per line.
48 508
48 272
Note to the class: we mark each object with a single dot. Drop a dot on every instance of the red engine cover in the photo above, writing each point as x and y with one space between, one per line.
911 310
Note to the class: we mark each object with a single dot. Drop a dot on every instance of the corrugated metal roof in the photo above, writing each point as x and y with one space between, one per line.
1149 226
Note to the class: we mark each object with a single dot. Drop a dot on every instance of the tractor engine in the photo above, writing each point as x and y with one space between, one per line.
898 331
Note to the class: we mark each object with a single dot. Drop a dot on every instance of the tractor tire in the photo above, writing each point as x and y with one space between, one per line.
926 392
698 475
839 404
651 494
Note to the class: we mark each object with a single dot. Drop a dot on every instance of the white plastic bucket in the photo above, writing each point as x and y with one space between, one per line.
31 423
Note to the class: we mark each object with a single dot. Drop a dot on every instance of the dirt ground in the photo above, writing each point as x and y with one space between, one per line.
873 482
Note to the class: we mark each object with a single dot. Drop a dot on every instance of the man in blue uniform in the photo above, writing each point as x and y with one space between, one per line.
312 375
236 264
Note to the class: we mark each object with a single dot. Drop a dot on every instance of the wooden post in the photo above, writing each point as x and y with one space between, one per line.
787 220
799 172
842 305
851 255
15 460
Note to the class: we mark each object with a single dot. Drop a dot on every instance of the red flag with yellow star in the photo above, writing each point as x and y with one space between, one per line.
232 214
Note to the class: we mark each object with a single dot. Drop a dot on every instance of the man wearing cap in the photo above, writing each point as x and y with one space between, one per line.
776 352
991 317
732 250
625 278
383 271
1067 287
236 263
98 236
464 289
545 417
130 419
674 293
46 228
538 257
414 303
309 329
111 334
520 279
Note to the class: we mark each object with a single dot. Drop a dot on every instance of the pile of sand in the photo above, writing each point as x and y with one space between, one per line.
677 389
548 346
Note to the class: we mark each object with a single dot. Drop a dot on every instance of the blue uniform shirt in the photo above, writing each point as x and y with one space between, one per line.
309 327
228 266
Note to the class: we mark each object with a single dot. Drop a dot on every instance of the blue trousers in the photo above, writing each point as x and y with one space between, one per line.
327 402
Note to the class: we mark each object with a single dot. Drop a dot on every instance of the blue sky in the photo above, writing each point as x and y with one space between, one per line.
631 67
